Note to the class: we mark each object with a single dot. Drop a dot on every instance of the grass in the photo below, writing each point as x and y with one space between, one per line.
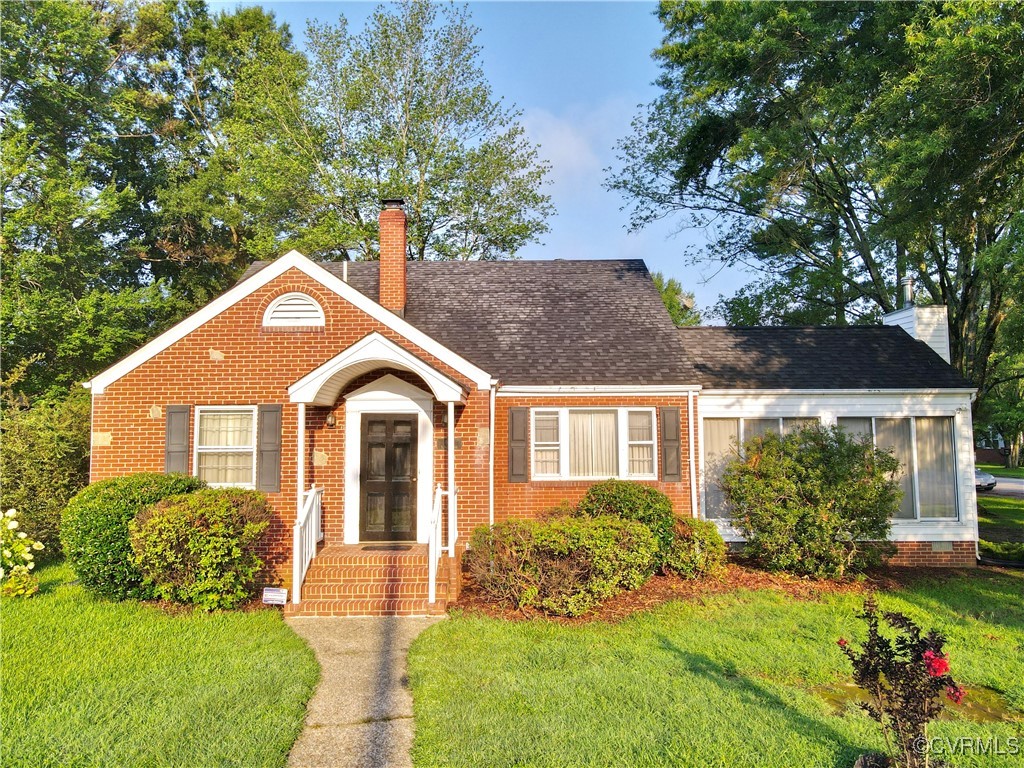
1000 471
1000 518
727 680
90 683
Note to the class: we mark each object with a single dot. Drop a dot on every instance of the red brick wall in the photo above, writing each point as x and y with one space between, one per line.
232 360
920 553
528 499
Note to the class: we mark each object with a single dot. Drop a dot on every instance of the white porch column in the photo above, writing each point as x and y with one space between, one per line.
453 501
300 460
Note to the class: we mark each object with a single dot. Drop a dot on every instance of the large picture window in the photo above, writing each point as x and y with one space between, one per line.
594 443
722 441
226 445
924 446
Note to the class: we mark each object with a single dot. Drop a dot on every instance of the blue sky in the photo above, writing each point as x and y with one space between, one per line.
577 71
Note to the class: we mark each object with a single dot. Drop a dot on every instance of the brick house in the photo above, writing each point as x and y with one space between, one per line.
389 408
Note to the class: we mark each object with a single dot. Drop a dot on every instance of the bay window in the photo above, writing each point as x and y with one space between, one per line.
593 443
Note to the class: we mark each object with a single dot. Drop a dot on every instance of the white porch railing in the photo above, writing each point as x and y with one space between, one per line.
435 545
305 536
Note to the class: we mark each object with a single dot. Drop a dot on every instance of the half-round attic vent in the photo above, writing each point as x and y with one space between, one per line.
294 309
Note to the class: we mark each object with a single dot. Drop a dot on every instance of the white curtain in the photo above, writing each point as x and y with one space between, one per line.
593 444
545 441
641 443
226 429
720 447
894 434
759 428
855 426
936 468
789 426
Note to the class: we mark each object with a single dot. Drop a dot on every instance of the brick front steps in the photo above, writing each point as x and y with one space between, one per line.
369 580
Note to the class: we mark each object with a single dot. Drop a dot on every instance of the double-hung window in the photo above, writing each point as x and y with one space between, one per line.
225 445
924 447
594 443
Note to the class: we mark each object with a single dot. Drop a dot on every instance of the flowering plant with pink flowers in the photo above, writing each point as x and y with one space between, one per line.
906 678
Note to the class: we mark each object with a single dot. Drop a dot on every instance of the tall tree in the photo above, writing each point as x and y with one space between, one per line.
128 192
841 146
403 110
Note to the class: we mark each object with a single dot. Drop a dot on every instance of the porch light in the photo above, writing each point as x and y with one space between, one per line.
331 421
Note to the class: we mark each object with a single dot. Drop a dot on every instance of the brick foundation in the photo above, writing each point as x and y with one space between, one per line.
920 553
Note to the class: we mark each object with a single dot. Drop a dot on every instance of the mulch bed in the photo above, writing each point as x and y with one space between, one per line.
662 589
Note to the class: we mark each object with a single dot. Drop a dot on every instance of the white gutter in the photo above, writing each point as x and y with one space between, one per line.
599 389
490 484
692 458
932 391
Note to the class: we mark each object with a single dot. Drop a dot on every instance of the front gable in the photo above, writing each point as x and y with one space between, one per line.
235 321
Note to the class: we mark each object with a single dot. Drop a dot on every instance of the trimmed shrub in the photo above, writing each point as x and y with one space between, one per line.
816 502
631 500
94 530
200 548
697 551
565 566
44 462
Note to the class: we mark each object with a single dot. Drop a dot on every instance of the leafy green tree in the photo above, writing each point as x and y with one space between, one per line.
680 304
129 192
403 110
841 146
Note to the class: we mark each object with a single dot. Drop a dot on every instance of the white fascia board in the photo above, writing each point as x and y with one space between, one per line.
291 260
825 392
372 348
653 390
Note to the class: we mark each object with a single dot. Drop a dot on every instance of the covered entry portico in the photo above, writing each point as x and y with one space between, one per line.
392 490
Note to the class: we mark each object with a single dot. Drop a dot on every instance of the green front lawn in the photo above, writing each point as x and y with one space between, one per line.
1000 518
93 683
742 678
1000 471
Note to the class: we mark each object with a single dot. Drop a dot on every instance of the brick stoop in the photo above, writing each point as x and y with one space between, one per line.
367 580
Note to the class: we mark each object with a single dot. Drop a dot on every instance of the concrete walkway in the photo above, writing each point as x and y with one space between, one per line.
361 712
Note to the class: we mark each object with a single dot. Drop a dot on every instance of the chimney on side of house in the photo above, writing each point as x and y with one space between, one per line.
927 324
392 256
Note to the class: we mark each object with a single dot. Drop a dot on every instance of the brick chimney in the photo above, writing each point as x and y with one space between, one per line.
392 256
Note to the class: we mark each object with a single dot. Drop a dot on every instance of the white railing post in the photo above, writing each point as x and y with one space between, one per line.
434 545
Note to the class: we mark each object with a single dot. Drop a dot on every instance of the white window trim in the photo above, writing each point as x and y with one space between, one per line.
196 450
268 316
622 436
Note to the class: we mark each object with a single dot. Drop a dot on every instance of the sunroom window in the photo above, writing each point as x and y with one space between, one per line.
593 443
226 445
924 446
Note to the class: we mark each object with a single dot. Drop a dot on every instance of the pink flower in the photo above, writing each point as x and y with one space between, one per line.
955 693
841 642
936 664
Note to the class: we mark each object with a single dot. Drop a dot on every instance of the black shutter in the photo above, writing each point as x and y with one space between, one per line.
176 439
517 445
671 459
268 453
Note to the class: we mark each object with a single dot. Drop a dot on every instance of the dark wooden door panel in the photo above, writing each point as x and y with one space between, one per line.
387 503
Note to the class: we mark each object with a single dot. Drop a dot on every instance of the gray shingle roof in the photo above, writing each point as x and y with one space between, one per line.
603 322
541 322
858 357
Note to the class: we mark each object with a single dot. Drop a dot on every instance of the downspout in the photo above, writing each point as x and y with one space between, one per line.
490 461
693 454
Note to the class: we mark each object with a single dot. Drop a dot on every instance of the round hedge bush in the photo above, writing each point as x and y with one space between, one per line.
94 530
697 550
631 500
200 548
